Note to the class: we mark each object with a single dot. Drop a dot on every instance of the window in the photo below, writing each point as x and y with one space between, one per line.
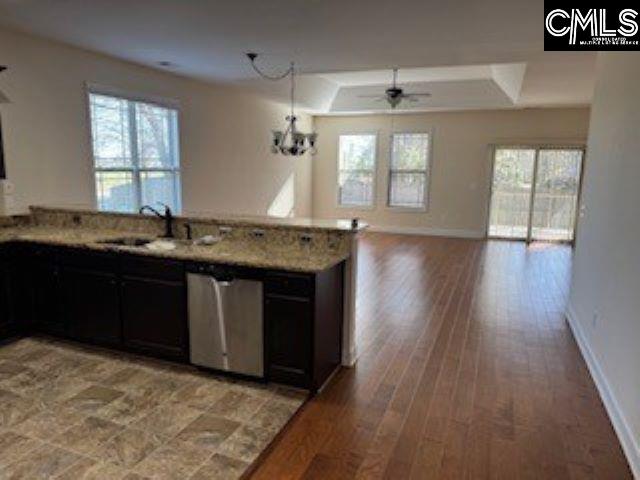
356 170
135 153
408 170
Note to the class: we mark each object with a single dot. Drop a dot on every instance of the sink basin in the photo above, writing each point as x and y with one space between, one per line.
126 241
161 245
155 244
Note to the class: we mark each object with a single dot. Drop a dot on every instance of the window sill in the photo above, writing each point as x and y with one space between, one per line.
400 209
357 207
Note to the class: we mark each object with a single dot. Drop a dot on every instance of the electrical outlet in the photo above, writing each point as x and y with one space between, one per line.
224 231
306 238
257 233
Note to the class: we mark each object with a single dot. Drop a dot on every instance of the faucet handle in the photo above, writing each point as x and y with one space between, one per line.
166 207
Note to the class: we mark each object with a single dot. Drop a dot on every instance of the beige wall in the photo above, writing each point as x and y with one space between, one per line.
461 166
224 134
604 305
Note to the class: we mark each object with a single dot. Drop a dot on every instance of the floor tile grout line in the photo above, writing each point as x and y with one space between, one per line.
261 396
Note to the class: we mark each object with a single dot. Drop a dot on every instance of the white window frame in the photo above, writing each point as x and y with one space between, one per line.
427 172
135 169
374 170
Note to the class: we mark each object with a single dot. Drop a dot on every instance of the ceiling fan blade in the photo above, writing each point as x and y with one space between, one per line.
424 94
371 96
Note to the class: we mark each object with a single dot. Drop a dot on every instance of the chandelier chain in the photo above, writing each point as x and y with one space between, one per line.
290 141
274 78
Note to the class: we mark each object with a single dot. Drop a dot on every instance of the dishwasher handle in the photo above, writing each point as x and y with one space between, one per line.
219 273
217 286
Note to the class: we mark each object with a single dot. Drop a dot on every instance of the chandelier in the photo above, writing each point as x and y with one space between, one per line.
3 97
288 141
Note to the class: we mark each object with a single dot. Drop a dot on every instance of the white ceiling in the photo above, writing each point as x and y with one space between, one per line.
337 44
431 74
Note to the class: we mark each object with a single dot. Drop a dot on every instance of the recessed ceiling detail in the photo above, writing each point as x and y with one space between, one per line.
453 88
476 87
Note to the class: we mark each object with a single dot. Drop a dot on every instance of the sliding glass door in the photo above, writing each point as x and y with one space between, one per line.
555 199
511 192
535 193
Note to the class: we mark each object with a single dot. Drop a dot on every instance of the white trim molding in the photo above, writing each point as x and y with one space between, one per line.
130 95
428 231
616 415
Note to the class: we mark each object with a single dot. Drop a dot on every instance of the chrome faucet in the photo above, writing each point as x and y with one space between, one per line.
167 217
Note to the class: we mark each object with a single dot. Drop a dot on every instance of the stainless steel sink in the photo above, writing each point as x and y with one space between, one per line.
126 241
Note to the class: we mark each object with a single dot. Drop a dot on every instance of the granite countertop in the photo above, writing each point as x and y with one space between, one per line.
297 223
246 252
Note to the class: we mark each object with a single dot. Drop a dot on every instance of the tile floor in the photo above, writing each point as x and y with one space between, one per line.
74 412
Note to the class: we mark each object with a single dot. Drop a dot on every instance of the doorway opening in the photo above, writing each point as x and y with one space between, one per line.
535 192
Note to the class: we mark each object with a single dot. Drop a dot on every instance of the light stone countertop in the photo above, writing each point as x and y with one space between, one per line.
295 223
245 252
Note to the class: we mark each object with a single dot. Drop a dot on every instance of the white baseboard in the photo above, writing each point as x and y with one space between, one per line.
436 232
616 415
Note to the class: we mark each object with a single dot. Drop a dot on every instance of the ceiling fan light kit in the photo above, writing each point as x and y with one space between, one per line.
394 94
289 141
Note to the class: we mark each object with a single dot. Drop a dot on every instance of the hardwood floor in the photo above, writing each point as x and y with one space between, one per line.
467 369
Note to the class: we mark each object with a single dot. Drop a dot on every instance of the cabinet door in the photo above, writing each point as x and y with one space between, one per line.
154 316
92 305
288 339
47 299
21 294
7 326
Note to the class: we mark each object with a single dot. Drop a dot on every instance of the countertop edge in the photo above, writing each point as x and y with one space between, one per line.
180 257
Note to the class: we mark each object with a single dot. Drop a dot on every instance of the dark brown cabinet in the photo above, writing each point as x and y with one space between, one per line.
303 326
110 299
154 316
6 320
139 303
45 278
21 294
91 305
288 337
16 293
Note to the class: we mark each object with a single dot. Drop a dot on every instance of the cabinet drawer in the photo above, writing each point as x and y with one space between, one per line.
43 253
158 268
289 284
86 259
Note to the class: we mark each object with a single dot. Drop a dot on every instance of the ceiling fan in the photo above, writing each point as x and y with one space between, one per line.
394 94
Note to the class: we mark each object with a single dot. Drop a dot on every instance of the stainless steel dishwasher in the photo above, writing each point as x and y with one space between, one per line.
225 321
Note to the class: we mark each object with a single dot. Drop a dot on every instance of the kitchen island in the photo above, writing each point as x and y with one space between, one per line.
64 273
